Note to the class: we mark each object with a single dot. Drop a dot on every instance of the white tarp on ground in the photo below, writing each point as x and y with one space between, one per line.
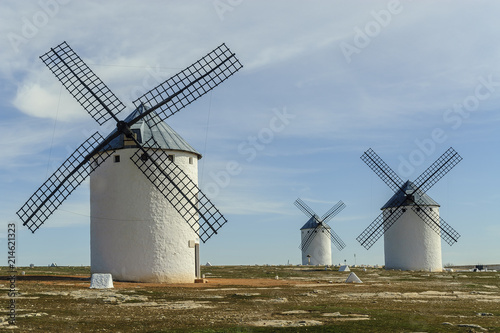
344 268
353 278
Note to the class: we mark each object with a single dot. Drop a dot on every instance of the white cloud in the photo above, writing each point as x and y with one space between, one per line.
46 101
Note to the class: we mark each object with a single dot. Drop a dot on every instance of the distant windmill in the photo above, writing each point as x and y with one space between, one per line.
413 243
138 226
317 235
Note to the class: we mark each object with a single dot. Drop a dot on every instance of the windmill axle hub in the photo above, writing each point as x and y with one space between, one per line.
124 128
410 197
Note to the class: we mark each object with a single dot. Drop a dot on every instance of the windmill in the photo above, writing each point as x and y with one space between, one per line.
316 235
152 183
413 243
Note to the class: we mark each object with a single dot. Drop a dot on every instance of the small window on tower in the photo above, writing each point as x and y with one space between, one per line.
117 158
190 160
171 158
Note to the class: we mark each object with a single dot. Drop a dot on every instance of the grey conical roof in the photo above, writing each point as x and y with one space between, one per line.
152 127
312 224
420 197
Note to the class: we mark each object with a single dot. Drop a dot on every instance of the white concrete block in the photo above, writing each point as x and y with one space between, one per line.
101 281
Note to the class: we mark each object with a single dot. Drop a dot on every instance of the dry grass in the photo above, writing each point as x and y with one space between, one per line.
250 299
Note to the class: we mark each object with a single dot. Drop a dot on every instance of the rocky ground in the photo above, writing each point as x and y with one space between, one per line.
259 299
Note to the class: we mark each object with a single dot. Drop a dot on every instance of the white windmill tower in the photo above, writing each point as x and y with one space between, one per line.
414 242
140 226
148 214
317 236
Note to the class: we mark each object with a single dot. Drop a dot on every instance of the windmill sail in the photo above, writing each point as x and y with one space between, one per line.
448 234
92 94
62 183
378 227
332 212
190 84
382 170
194 206
438 169
304 208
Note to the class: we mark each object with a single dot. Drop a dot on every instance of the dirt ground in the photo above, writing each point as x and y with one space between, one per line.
214 283
259 299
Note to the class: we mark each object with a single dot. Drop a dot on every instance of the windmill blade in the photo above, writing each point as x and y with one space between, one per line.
189 201
93 95
336 240
436 223
382 170
305 208
333 212
378 227
62 183
438 169
307 241
190 84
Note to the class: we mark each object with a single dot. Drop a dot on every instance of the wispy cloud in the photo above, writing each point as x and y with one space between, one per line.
47 100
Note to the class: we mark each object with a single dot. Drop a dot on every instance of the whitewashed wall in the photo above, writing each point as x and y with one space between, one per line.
320 248
410 244
136 235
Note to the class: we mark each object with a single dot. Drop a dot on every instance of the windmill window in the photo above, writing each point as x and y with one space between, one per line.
117 158
171 158
190 160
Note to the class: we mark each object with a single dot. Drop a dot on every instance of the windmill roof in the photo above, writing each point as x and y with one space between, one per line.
420 197
146 128
312 224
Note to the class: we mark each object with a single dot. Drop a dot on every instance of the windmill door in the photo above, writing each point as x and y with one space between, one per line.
197 270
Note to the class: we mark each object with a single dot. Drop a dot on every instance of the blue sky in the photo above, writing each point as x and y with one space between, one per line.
322 82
